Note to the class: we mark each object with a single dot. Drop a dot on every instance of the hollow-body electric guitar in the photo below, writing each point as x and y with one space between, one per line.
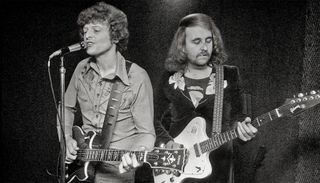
90 154
194 138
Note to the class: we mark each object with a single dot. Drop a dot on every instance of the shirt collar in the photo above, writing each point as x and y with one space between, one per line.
121 71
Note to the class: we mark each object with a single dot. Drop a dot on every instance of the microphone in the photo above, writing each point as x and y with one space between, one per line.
69 49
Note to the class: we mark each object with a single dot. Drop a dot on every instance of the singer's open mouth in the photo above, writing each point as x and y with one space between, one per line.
89 43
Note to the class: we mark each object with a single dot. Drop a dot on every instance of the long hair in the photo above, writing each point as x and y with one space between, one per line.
102 12
177 59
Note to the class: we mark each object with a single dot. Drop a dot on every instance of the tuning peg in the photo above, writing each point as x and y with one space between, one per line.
162 145
313 92
176 173
168 172
300 95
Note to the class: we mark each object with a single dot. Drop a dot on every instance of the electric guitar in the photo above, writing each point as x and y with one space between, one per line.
194 138
90 154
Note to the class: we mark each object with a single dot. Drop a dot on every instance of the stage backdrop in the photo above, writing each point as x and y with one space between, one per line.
274 43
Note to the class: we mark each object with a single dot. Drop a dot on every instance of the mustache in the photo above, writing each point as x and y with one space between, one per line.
203 53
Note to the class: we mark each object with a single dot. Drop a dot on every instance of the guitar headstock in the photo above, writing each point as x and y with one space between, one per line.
170 159
296 105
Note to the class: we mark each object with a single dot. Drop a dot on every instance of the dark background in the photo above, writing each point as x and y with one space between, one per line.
274 43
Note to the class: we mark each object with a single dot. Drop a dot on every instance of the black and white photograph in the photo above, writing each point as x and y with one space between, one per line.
160 91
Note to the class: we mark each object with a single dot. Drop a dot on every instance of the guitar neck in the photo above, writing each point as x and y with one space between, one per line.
220 139
107 155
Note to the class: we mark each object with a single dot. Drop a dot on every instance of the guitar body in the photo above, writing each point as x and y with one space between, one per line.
197 166
91 154
199 146
83 171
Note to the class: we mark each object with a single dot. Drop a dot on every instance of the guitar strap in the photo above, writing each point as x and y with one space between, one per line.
113 109
218 102
217 111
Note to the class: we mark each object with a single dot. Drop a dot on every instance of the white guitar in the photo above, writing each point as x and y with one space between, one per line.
199 146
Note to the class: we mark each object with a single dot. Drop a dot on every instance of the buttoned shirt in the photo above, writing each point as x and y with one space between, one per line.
134 125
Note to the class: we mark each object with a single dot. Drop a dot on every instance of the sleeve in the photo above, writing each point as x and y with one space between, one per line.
162 112
143 112
237 96
236 103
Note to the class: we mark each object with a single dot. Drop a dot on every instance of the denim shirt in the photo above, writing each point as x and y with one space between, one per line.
134 125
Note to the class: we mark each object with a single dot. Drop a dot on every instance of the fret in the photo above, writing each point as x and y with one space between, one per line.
86 155
277 112
91 155
233 134
224 140
109 155
212 143
207 146
216 144
103 155
218 140
270 116
115 155
211 146
274 114
258 121
96 154
267 117
228 136
112 155
99 153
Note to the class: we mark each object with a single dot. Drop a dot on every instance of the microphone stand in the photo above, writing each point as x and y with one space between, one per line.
62 116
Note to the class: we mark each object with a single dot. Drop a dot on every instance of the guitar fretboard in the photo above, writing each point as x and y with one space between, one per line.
220 139
292 107
106 154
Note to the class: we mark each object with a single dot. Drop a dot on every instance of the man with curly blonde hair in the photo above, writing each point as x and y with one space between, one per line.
104 29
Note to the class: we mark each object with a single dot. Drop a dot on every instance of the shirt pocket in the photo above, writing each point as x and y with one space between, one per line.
125 107
127 99
83 89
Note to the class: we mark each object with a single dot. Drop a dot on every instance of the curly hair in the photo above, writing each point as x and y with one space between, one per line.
177 58
101 12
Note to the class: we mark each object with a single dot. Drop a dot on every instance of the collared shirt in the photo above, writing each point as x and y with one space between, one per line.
134 125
